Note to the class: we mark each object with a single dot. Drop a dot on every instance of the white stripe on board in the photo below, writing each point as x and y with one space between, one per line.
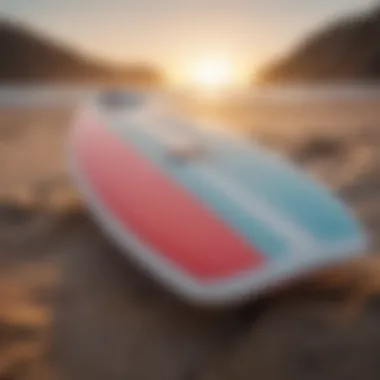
255 206
260 209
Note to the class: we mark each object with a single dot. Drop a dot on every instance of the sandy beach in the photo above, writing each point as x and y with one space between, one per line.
72 308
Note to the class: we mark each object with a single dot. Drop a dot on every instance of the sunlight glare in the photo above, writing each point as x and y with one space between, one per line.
212 74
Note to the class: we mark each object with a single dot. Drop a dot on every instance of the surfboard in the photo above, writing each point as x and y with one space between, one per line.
212 216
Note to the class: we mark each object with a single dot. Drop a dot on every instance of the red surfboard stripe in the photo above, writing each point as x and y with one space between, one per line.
154 207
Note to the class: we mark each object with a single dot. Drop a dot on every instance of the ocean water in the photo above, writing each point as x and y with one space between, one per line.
41 96
37 96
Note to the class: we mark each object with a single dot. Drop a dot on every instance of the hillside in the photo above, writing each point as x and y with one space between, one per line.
345 50
29 57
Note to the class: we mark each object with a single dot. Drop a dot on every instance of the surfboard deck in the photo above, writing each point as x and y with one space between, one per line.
212 216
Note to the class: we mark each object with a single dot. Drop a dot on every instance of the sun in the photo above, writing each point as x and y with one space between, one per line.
212 74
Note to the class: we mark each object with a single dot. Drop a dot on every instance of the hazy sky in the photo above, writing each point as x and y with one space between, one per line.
176 33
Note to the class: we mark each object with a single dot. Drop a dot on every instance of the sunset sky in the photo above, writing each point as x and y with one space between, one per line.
203 39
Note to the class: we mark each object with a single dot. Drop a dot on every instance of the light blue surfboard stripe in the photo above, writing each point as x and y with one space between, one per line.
295 196
253 230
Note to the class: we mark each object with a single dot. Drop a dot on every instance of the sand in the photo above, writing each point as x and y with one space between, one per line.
72 308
